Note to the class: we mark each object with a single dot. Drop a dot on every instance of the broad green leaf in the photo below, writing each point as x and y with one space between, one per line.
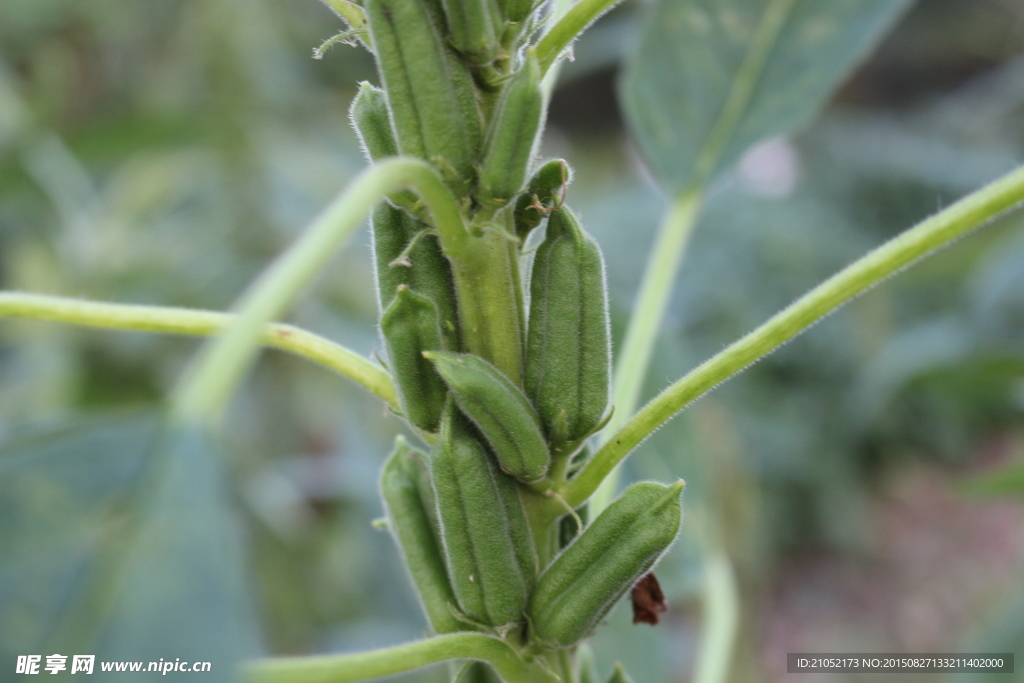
710 78
119 542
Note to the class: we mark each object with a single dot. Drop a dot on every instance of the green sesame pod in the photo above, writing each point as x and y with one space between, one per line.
568 354
430 90
619 675
546 189
576 591
512 137
423 268
370 118
409 503
500 411
474 27
488 548
372 123
410 326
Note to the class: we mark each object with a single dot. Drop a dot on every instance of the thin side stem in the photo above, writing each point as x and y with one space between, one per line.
388 661
208 385
568 29
938 231
652 301
354 16
166 320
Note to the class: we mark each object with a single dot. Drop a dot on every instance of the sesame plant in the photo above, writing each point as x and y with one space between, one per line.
494 315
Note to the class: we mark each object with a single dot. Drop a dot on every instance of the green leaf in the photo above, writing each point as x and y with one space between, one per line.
118 542
713 77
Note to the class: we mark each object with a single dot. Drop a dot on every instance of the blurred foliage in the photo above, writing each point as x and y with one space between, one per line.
162 152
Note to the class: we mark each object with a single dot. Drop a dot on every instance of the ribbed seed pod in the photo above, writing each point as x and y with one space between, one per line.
488 548
475 28
619 675
429 88
410 326
372 123
576 591
568 355
424 269
518 10
407 497
546 188
500 411
512 137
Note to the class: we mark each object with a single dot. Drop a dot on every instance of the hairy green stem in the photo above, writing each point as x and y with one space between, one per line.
558 10
208 384
941 229
568 28
388 661
652 301
490 301
167 320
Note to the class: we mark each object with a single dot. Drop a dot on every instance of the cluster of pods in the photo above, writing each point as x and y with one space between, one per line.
462 91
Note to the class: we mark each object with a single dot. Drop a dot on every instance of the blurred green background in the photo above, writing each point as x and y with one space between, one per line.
163 152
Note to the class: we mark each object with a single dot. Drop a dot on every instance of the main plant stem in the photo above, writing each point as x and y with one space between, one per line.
490 305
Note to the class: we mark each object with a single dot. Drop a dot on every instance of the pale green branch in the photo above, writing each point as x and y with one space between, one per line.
166 320
209 383
721 615
941 229
388 661
568 28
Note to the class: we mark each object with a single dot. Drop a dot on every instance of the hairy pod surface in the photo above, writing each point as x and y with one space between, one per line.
546 189
372 123
568 353
475 28
410 326
429 88
424 268
500 411
408 500
512 137
576 591
488 548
